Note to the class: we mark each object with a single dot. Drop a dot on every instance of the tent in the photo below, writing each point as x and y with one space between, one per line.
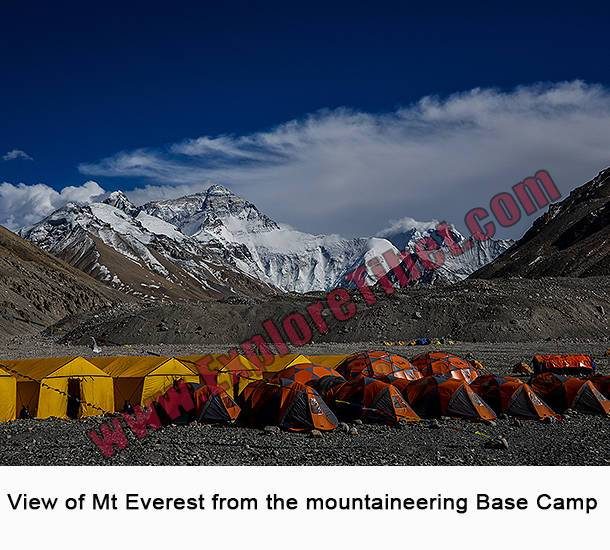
306 373
370 400
287 404
8 396
512 396
176 405
331 361
281 362
442 363
444 396
138 380
65 387
377 364
232 377
602 383
213 404
568 392
564 364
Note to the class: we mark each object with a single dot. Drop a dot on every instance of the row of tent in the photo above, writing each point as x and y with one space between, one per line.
73 387
298 392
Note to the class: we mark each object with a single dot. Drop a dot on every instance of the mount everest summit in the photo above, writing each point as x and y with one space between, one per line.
216 244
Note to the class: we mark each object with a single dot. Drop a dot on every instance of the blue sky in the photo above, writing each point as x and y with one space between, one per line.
239 92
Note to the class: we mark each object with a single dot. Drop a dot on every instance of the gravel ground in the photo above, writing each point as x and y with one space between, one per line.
578 440
513 310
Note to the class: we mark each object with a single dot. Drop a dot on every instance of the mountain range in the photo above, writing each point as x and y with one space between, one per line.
216 244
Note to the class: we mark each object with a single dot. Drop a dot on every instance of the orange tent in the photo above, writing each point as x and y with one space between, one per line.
568 392
564 364
511 396
287 404
371 400
377 364
213 404
442 363
306 373
444 396
602 383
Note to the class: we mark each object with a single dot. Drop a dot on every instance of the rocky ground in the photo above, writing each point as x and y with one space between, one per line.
513 310
498 322
578 440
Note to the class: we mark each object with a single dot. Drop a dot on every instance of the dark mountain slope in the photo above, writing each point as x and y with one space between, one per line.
572 239
37 289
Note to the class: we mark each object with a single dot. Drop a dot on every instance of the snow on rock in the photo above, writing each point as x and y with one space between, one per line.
119 200
216 230
296 261
249 240
405 233
160 227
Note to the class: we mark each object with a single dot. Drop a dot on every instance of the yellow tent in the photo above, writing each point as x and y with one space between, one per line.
8 396
330 361
192 361
44 385
248 372
140 379
281 362
224 375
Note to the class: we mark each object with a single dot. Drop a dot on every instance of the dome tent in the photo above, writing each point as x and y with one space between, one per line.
307 373
287 404
444 396
214 405
369 400
445 364
512 396
568 392
281 362
331 361
602 383
377 364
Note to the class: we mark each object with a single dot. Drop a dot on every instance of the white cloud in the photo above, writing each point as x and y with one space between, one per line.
16 154
349 172
22 205
406 224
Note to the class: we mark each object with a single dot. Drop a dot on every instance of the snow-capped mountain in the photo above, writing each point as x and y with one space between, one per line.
217 243
252 242
128 249
473 254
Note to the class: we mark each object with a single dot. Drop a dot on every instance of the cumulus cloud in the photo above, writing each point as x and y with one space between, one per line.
349 172
16 154
22 205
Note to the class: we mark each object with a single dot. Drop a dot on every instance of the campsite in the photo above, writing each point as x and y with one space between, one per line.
577 437
492 361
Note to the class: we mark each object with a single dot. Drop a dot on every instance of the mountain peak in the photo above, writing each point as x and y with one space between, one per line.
119 200
217 189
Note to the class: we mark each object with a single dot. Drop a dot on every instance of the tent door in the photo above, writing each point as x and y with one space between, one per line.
74 398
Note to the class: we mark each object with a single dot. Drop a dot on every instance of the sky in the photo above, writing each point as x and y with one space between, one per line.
334 117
